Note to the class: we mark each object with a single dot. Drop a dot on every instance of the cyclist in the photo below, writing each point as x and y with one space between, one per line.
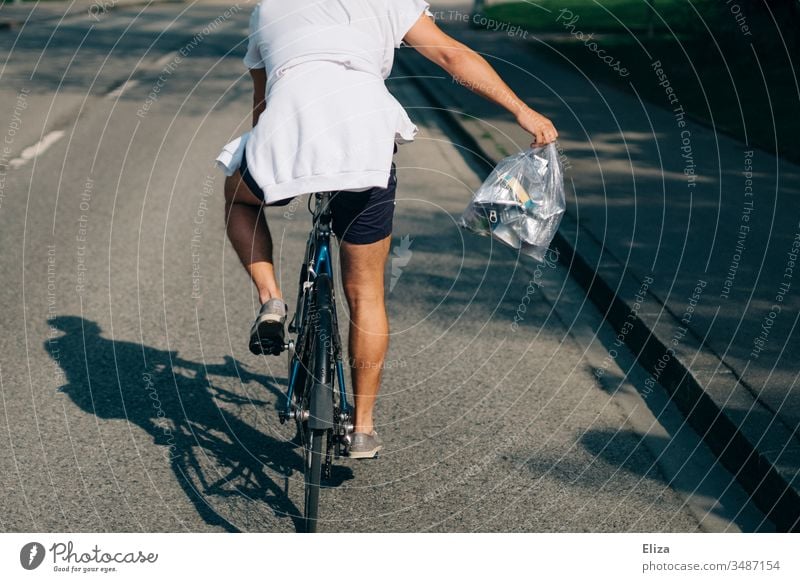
323 120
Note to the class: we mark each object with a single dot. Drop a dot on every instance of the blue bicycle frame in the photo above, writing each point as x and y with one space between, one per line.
317 262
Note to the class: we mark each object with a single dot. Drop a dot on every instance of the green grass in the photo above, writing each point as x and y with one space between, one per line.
710 93
608 16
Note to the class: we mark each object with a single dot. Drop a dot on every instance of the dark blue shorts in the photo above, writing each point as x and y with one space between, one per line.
357 217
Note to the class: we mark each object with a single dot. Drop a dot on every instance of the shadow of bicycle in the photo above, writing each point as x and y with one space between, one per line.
214 454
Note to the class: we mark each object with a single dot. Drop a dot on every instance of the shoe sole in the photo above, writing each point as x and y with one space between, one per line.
267 337
371 454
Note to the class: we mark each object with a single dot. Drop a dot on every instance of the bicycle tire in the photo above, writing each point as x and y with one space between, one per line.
313 473
320 399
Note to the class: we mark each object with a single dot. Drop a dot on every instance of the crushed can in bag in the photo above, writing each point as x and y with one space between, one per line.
521 202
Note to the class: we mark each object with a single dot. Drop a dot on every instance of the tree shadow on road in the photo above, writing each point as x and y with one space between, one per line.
214 454
133 39
620 448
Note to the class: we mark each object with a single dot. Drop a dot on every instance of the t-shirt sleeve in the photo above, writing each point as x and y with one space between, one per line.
404 14
252 60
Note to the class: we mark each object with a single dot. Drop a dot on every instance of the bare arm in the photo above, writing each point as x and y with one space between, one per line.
259 89
470 69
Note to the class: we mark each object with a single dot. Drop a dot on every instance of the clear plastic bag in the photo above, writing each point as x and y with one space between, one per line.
521 202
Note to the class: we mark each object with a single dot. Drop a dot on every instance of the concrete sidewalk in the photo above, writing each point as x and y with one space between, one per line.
686 238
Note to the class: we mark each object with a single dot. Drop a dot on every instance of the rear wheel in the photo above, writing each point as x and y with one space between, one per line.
314 452
319 400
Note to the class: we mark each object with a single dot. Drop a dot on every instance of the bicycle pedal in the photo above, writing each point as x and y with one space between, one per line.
271 350
266 349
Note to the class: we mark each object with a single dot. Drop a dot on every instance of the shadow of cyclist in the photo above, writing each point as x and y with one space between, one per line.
176 402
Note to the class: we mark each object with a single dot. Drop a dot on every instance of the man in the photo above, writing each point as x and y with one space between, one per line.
323 120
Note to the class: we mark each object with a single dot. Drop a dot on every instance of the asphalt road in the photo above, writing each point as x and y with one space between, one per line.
131 403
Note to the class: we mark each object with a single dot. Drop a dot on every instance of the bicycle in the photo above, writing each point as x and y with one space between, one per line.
323 415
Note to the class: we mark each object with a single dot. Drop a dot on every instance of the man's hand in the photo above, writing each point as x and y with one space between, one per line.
541 128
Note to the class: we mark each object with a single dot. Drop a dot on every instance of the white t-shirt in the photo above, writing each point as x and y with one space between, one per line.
329 123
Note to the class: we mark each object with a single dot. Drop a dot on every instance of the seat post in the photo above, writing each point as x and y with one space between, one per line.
324 209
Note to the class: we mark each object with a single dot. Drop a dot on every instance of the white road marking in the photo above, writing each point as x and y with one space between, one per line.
165 60
40 147
122 88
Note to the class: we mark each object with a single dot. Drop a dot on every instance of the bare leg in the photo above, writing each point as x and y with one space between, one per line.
362 278
249 236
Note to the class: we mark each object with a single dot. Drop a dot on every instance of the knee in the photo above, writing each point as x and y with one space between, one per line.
364 296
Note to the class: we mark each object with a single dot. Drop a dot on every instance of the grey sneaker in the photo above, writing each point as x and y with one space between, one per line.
267 334
365 445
